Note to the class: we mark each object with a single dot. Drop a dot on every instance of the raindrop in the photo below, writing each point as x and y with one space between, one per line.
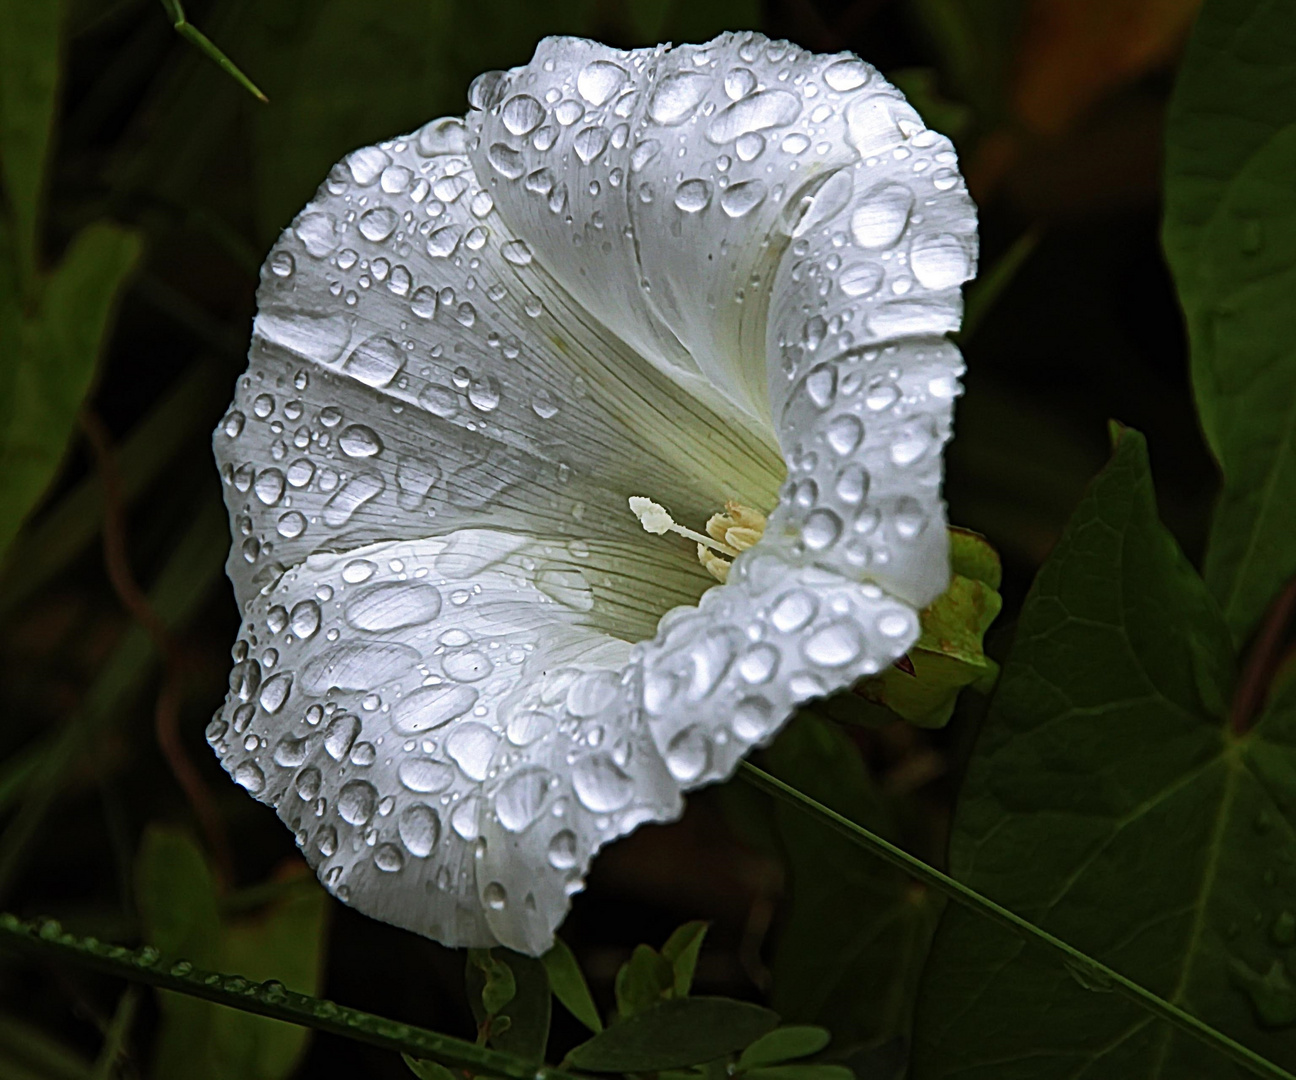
766 109
743 197
519 800
837 644
677 96
340 735
860 279
894 624
516 252
643 154
471 746
562 850
420 830
359 441
424 301
821 530
318 234
484 393
599 80
269 486
600 785
414 479
308 782
444 136
522 114
940 262
506 161
393 605
357 801
882 217
249 775
688 754
388 858
352 495
395 179
589 143
375 362
327 841
845 434
495 897
305 619
291 525
468 666
441 243
275 691
847 75
738 83
693 195
793 610
753 719
378 224
431 707
367 164
425 775
282 264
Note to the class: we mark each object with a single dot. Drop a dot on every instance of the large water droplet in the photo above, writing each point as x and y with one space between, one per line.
320 338
766 109
249 775
431 707
940 262
516 252
693 195
357 665
847 75
367 164
275 691
742 198
425 775
677 96
318 233
522 114
506 161
860 280
378 224
837 644
519 800
359 441
599 80
269 486
443 136
688 754
341 735
600 784
442 242
793 610
352 495
589 143
484 393
393 605
562 850
471 746
881 218
420 830
375 361
304 619
357 801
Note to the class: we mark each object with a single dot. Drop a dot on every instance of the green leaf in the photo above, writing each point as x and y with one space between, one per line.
569 986
490 982
49 358
512 992
1230 236
784 1044
29 78
179 907
681 952
948 654
428 1070
857 980
643 981
1108 803
674 1035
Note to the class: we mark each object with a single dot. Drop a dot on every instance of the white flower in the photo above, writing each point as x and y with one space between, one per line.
700 276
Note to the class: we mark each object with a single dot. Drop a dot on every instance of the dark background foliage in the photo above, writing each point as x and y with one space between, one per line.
1057 107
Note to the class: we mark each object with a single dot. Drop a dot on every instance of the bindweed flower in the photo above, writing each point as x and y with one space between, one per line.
524 388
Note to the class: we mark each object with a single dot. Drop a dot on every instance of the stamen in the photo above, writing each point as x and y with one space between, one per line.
656 519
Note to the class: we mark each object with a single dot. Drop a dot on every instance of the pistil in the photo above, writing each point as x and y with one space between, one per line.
730 533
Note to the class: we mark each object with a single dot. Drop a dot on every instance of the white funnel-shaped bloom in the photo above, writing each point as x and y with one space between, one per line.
695 276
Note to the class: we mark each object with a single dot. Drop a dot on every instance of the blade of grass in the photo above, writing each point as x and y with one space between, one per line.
1084 965
180 588
204 45
46 940
115 1038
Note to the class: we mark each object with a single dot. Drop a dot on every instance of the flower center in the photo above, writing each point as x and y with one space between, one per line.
728 534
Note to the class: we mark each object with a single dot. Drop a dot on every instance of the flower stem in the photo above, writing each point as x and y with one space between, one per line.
45 938
1084 966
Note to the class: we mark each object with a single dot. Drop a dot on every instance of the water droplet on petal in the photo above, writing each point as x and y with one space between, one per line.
743 197
677 96
600 784
847 75
357 801
378 224
693 196
562 850
599 80
359 441
882 217
376 361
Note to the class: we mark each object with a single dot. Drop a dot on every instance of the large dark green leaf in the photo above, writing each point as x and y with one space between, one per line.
1230 234
48 358
673 1035
856 978
1108 803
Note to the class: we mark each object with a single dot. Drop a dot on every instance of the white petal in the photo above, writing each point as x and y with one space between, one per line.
394 393
455 735
749 180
